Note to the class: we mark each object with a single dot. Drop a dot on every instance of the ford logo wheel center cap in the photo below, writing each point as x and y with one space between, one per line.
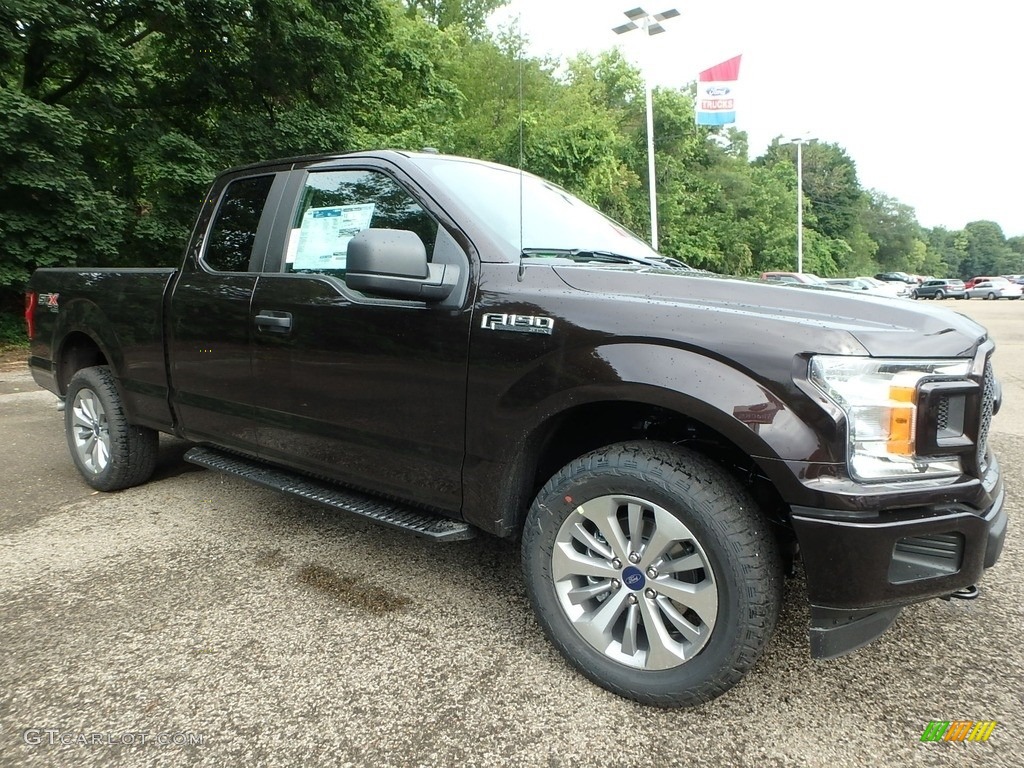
633 578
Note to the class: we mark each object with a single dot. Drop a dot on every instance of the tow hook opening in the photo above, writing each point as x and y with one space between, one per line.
967 593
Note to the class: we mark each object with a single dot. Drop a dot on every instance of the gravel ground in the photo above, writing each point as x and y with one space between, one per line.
200 620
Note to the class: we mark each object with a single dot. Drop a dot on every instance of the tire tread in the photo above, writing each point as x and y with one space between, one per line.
725 504
133 449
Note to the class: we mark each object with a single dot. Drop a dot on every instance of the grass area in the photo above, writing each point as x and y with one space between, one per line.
13 342
12 331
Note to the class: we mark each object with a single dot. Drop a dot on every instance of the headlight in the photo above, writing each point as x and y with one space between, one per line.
879 398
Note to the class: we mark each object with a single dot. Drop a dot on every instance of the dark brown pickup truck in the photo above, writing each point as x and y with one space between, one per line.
453 347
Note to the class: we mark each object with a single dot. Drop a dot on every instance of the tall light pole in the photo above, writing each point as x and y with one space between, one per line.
800 141
640 19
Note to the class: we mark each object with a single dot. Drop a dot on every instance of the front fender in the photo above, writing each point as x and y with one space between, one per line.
766 419
769 419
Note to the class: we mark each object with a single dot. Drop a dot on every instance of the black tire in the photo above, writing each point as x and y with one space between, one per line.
708 518
991 296
940 295
915 295
110 452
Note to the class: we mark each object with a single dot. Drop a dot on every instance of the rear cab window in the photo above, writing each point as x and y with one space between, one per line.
236 228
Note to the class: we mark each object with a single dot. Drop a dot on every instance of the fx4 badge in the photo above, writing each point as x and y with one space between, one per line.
494 321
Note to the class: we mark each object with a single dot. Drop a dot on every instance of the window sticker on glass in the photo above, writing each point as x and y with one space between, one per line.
323 242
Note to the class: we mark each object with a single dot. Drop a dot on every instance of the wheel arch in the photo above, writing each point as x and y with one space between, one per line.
713 408
85 338
77 350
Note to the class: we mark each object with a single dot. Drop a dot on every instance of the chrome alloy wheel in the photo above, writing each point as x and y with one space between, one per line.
90 431
635 582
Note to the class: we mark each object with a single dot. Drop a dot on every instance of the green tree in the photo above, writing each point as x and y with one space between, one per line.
987 252
830 185
472 14
117 113
893 227
52 213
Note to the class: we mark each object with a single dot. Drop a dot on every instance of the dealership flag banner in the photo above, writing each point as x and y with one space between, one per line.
716 93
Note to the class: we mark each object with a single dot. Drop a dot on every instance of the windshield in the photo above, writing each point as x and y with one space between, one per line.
552 219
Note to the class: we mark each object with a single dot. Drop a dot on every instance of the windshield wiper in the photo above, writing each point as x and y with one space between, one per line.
586 255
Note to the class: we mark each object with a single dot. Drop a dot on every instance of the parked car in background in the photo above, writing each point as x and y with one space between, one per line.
995 288
806 278
975 280
896 277
892 288
860 285
941 289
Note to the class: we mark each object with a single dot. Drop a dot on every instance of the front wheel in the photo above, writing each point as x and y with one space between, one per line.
652 572
110 452
991 296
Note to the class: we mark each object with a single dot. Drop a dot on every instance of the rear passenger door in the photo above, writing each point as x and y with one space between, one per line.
209 330
368 391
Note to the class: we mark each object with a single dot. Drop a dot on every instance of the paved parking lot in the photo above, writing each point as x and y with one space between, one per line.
199 620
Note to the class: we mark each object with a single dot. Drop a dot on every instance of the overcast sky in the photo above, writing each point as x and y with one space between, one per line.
926 97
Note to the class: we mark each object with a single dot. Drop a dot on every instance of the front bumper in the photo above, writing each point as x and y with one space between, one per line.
861 572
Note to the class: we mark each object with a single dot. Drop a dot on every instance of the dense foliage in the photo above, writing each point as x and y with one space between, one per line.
116 114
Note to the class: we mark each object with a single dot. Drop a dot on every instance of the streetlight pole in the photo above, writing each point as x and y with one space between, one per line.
800 141
799 207
652 192
640 19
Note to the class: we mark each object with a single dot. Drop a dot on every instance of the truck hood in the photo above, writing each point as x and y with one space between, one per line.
811 319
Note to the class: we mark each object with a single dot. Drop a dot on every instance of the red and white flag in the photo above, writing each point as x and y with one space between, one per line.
716 93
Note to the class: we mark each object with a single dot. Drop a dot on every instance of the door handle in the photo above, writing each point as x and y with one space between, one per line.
276 322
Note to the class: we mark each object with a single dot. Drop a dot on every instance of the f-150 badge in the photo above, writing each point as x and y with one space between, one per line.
495 321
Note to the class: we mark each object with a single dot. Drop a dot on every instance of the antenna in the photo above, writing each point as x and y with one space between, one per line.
522 266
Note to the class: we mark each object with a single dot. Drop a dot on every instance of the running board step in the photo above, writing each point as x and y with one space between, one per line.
414 521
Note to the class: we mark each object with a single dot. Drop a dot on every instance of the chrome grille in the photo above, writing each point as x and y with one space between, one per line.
988 397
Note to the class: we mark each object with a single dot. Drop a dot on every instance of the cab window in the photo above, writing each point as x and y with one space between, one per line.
233 232
336 205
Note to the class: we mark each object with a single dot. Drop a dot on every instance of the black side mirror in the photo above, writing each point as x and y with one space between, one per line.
393 263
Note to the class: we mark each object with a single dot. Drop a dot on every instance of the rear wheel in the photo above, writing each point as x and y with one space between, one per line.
110 452
940 295
991 296
653 573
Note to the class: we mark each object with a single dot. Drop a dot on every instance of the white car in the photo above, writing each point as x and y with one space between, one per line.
996 288
890 288
861 285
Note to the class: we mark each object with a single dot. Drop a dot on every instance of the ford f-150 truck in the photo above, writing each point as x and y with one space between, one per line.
457 348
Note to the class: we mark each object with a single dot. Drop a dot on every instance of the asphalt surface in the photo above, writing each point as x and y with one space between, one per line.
198 620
